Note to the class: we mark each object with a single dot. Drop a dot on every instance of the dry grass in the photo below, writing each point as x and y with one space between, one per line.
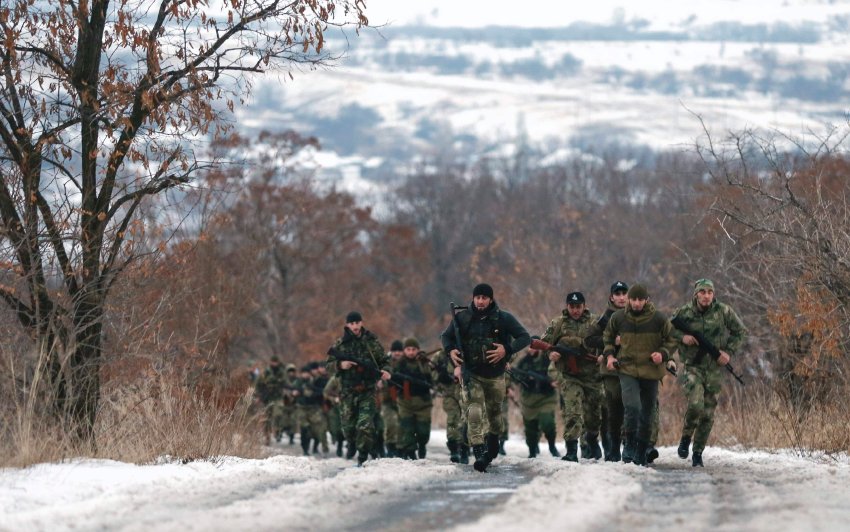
140 424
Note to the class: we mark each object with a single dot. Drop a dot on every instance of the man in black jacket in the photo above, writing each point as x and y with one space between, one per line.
489 337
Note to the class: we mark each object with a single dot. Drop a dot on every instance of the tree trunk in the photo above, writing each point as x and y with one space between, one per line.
84 367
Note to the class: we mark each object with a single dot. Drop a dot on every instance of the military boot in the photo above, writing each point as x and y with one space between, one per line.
315 446
651 454
684 446
422 451
362 456
532 450
614 452
464 453
391 450
339 448
305 442
350 451
454 451
291 438
593 445
552 449
482 457
629 449
696 460
492 441
572 451
640 452
502 446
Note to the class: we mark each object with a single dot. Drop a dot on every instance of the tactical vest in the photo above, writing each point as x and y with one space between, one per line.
475 346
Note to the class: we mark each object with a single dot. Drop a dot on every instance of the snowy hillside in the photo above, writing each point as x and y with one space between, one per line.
464 76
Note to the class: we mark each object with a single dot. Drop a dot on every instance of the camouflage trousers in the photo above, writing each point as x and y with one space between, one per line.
482 401
357 411
389 411
414 420
275 418
505 410
313 424
538 415
335 424
454 414
582 406
702 386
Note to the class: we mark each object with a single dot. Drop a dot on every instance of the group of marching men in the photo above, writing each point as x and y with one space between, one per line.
603 370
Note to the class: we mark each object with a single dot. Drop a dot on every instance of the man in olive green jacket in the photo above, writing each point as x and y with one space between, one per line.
646 343
702 375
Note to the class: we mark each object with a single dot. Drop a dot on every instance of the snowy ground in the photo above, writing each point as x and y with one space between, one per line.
737 490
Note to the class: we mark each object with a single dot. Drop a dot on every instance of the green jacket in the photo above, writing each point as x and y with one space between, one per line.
718 323
366 347
419 370
270 386
640 335
566 331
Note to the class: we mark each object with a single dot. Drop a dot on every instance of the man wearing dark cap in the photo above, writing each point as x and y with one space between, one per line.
489 337
702 375
358 407
578 377
612 404
389 402
645 344
413 374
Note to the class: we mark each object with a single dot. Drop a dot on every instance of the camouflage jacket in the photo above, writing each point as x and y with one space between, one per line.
593 342
718 323
389 393
535 384
359 378
566 331
443 373
271 384
479 331
640 335
417 370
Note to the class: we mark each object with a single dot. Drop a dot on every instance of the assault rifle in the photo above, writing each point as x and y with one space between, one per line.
563 350
705 346
369 366
411 379
464 370
532 376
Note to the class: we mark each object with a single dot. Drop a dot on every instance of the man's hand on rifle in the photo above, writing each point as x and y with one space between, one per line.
657 358
724 358
689 340
458 374
385 375
496 354
455 355
554 356
347 364
611 362
671 366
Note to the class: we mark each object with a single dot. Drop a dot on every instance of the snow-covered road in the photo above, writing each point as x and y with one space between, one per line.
737 490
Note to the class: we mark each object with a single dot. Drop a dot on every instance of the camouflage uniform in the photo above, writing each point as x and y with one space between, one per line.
414 406
539 401
289 416
389 413
641 334
579 381
311 416
612 405
332 396
701 375
450 390
270 390
484 391
358 407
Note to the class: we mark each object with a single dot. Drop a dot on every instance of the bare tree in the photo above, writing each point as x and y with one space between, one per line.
100 105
